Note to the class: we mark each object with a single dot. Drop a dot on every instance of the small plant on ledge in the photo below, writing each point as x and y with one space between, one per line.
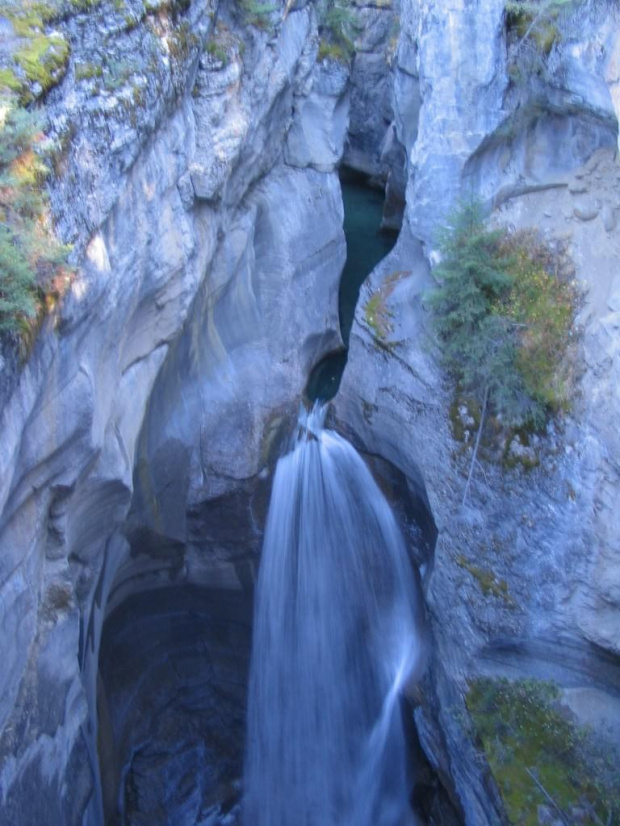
377 315
338 28
217 52
257 13
533 27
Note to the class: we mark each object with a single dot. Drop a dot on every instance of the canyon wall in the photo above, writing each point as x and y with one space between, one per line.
197 184
199 192
541 153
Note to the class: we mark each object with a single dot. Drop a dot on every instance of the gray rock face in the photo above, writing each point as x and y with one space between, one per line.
317 135
460 64
129 67
371 88
546 536
203 251
384 104
478 135
198 186
224 381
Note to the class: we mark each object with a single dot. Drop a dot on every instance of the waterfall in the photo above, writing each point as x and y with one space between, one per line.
334 643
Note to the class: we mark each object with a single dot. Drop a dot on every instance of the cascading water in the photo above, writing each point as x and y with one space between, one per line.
335 641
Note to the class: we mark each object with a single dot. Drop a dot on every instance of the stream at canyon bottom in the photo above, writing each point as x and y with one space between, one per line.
367 244
334 643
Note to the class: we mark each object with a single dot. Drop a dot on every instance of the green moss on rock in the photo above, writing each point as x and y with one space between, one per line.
531 745
28 18
333 51
524 20
44 60
84 5
41 58
88 71
9 81
257 13
376 313
488 582
377 316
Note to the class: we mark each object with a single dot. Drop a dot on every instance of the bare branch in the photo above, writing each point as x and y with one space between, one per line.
473 458
563 817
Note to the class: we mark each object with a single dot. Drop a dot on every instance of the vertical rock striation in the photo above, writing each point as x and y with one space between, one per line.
542 154
196 148
207 263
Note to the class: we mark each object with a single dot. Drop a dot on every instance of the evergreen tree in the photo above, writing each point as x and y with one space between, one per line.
478 345
502 319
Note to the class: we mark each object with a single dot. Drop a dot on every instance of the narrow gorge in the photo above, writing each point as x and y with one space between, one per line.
251 200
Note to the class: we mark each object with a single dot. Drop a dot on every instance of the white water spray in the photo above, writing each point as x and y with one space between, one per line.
334 644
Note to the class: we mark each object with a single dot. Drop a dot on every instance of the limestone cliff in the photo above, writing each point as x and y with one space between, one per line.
195 177
542 153
197 185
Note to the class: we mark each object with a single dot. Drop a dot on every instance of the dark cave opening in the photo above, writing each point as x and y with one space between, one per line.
171 704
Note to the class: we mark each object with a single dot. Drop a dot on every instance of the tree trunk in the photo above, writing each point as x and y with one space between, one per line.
476 446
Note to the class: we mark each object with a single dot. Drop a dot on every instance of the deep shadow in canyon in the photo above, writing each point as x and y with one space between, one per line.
173 688
175 650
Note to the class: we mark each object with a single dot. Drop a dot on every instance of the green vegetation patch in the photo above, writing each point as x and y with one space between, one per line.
223 45
217 51
535 21
33 271
464 418
518 451
539 757
338 27
541 304
40 58
333 51
117 73
257 13
533 27
44 60
489 583
376 313
9 82
88 71
28 16
503 311
504 316
85 5
378 316
182 42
